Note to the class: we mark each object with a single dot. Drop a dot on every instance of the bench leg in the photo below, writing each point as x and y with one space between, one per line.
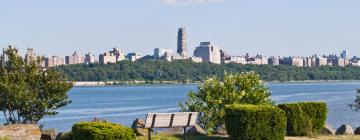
149 134
184 133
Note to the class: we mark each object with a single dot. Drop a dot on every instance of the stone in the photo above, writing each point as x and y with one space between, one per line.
196 131
221 130
174 131
48 134
63 136
138 127
344 130
20 132
328 130
357 131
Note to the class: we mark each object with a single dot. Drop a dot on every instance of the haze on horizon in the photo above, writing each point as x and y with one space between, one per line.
276 27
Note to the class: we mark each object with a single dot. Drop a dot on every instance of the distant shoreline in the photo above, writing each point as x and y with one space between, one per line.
135 83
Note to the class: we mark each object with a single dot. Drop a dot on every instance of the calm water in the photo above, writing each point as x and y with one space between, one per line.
125 103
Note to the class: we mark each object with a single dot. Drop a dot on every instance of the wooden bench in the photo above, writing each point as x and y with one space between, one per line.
170 120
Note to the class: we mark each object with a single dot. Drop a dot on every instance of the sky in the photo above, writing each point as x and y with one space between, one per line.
267 27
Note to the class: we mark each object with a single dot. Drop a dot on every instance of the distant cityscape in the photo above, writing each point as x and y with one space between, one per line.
205 52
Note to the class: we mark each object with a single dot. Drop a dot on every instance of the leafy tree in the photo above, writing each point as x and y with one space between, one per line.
356 105
28 93
213 95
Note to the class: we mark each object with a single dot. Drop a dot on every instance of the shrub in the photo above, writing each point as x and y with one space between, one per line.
255 122
101 131
215 93
305 118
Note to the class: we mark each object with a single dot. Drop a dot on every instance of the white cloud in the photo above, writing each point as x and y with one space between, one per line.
189 2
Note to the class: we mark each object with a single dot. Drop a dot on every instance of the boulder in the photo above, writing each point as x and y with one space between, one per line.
345 130
48 134
357 131
196 131
63 136
20 132
138 127
221 130
328 130
174 131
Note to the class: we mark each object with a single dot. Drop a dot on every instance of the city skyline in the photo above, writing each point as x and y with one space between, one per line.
286 28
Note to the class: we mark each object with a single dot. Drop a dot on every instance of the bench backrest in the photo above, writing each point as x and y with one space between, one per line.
167 120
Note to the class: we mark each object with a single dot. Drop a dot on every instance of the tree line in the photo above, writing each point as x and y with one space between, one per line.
187 71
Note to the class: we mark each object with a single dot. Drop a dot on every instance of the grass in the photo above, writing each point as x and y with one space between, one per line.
180 137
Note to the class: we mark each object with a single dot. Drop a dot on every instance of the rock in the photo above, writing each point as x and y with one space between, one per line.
196 131
138 127
344 130
48 134
328 130
221 130
174 131
20 132
63 136
357 131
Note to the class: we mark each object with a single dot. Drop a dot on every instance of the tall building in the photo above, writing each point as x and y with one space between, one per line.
30 55
181 43
208 52
159 53
54 61
321 61
75 58
107 58
89 58
274 61
133 56
118 54
344 54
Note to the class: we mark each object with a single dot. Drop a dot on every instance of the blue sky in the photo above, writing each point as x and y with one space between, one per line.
268 27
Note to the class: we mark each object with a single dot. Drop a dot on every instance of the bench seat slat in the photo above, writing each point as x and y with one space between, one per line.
163 119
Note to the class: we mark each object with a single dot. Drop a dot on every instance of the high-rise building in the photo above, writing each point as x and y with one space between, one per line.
344 54
118 54
107 58
321 61
181 43
89 58
30 55
75 58
133 56
274 61
159 53
208 52
54 61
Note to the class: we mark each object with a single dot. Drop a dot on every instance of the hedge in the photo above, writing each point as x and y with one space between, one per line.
101 131
255 122
305 118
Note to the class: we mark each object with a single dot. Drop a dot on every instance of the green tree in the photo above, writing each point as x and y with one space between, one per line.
213 95
28 93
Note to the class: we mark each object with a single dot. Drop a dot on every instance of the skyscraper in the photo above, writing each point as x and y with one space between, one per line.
181 43
344 54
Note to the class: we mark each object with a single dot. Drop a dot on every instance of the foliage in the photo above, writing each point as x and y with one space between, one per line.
305 118
256 122
213 95
356 105
101 131
28 93
187 71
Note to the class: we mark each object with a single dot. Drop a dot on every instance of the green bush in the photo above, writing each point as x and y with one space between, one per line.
255 122
305 118
101 131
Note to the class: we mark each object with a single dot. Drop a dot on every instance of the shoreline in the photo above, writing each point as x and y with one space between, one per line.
138 83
